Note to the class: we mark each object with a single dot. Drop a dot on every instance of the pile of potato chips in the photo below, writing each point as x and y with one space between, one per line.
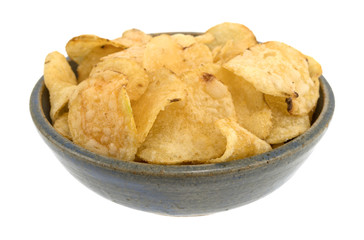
180 98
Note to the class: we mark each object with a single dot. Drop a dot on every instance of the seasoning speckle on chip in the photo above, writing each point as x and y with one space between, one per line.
181 98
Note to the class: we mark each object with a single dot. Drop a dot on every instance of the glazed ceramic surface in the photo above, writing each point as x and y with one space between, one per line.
185 189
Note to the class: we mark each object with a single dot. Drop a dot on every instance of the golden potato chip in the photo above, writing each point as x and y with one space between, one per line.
86 51
185 131
184 40
286 126
299 106
252 111
303 103
79 47
60 82
61 126
136 78
205 38
163 52
165 89
84 68
134 53
273 68
240 142
231 38
196 55
227 31
133 37
101 120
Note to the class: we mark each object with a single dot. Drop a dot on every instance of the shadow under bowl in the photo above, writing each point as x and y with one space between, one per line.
183 190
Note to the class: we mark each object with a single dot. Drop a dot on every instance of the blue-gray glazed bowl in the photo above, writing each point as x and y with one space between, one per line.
183 190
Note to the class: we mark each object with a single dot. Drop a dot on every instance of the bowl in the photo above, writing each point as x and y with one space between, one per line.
182 190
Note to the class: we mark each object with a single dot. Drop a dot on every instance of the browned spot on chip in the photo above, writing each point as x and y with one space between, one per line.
175 100
289 104
208 77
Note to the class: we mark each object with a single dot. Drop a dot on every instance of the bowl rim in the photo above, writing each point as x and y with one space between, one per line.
313 133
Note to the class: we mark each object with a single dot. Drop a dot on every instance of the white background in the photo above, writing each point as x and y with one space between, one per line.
41 200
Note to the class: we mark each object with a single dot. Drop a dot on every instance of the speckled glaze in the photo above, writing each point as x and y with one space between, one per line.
187 189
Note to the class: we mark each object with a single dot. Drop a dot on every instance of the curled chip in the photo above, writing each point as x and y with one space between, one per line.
60 82
273 68
230 39
252 111
185 131
101 120
79 47
165 89
306 102
136 79
86 51
240 142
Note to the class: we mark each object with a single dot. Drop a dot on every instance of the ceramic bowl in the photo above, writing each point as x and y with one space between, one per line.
182 190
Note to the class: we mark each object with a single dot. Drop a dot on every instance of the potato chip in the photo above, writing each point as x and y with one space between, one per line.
84 68
79 47
251 109
273 68
163 52
286 126
306 93
86 51
185 131
240 142
101 120
133 37
136 78
205 38
227 31
305 103
165 89
196 55
232 39
134 53
61 126
60 82
184 40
